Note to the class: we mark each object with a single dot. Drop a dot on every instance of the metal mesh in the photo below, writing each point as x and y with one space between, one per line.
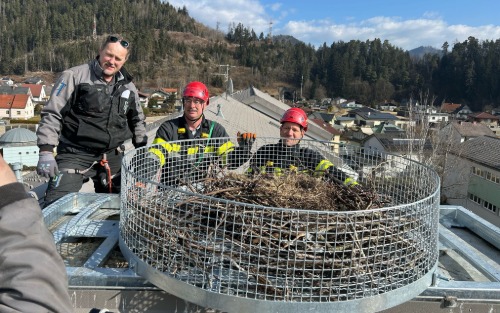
253 251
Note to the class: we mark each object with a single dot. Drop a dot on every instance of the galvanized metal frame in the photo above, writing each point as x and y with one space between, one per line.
420 204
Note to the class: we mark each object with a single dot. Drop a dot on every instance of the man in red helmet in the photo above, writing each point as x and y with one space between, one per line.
190 126
288 155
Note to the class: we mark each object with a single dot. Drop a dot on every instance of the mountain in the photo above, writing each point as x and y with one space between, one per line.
419 52
286 38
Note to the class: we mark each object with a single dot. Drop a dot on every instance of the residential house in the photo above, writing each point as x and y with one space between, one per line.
325 117
387 106
388 128
472 177
404 122
266 104
370 117
344 121
38 94
487 119
457 132
6 81
18 145
162 95
329 128
430 116
33 80
456 111
143 98
348 105
16 107
397 144
338 100
15 90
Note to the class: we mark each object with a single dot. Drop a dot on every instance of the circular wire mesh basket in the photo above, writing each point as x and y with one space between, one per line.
370 246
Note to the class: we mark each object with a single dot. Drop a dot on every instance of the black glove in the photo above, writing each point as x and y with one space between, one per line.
246 139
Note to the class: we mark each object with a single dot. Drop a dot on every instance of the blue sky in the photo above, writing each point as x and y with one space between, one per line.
405 24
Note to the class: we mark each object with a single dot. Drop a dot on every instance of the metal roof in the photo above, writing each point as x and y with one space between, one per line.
483 150
18 135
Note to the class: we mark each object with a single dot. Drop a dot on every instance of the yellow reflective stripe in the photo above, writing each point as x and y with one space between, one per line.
323 165
225 148
209 149
192 150
159 154
350 182
169 148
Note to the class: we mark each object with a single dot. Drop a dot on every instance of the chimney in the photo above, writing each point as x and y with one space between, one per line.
219 111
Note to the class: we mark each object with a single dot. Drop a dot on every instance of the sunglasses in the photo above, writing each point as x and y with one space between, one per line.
114 39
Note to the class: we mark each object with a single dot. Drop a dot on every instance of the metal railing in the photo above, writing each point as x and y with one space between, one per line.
236 254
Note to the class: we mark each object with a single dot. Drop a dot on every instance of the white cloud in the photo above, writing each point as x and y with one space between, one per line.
430 30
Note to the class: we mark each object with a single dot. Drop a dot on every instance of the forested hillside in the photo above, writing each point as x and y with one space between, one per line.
170 48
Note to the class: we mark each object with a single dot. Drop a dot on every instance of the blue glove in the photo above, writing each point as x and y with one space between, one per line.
47 165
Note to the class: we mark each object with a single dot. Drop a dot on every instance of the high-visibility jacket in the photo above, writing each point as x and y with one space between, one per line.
181 156
279 158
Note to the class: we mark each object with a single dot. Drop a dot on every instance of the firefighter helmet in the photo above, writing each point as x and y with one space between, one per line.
295 115
197 90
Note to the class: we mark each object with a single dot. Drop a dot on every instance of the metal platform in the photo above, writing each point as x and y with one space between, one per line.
86 232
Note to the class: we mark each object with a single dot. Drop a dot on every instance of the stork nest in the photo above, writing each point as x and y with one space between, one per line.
334 248
294 190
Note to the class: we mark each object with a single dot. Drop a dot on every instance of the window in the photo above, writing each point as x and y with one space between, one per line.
18 112
489 206
475 198
476 171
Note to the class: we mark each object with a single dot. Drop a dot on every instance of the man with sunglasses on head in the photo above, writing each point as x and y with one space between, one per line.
190 160
93 109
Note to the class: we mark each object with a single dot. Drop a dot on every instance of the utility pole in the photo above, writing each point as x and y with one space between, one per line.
226 74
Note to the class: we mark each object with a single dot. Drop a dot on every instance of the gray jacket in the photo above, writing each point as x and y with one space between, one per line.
32 273
85 111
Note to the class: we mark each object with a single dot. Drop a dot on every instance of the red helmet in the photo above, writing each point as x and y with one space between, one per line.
196 89
295 115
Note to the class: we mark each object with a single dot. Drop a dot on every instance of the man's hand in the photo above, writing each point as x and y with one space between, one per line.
246 139
47 165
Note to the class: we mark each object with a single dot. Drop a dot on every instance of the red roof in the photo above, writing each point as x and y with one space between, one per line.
329 128
483 115
449 107
8 102
36 89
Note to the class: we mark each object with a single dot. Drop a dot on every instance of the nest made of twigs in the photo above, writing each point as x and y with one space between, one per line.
293 190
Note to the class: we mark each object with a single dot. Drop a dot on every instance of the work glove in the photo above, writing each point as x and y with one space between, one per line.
47 165
246 139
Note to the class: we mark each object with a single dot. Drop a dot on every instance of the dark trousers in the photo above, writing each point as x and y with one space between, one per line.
77 166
